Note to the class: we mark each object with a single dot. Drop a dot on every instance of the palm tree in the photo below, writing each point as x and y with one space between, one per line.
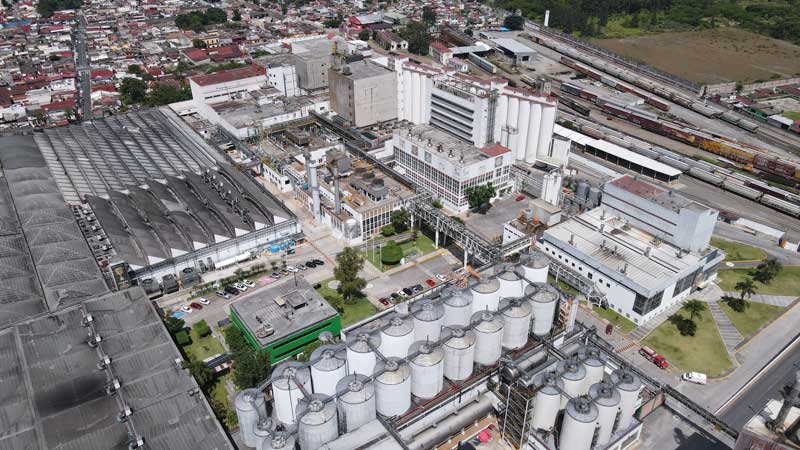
200 372
694 308
746 288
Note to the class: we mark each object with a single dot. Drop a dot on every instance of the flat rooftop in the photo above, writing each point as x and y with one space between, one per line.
366 69
514 46
227 76
652 193
490 225
286 307
444 145
245 113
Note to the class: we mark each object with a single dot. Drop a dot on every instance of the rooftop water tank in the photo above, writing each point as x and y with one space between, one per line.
287 378
250 406
516 317
393 387
356 403
511 284
593 362
457 305
318 422
428 318
606 399
361 353
281 440
427 370
488 338
534 266
547 400
485 295
328 365
397 335
544 299
573 375
629 385
577 429
459 353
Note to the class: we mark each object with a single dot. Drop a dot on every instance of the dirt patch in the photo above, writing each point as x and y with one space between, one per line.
712 56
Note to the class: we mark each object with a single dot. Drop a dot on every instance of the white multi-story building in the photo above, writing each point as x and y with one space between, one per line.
282 74
446 167
227 85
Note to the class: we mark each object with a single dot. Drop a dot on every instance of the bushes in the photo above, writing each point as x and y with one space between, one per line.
391 253
388 230
202 329
736 303
182 338
686 327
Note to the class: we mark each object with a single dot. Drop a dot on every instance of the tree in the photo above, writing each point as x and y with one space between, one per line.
514 22
694 307
478 196
200 372
54 58
182 338
767 270
428 16
348 263
364 34
199 43
436 203
737 304
308 350
400 220
416 33
164 94
135 69
250 369
391 253
174 325
333 22
237 16
687 328
202 329
133 91
388 230
236 340
746 288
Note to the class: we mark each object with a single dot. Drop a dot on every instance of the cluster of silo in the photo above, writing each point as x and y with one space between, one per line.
397 336
356 403
428 317
459 354
457 304
361 356
393 387
586 195
318 421
328 366
290 380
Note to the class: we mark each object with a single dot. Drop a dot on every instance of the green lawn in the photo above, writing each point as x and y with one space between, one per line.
352 313
738 252
756 315
422 246
619 322
202 348
786 283
563 285
794 115
705 352
615 28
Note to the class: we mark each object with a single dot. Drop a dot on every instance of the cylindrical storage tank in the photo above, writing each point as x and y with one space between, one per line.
360 353
286 381
488 338
582 191
594 197
263 430
516 322
534 266
546 129
511 121
535 125
427 370
250 407
522 128
544 300
459 354
606 399
485 295
281 440
593 363
511 284
547 400
397 336
318 422
393 387
577 429
573 375
356 404
328 365
428 318
629 385
457 305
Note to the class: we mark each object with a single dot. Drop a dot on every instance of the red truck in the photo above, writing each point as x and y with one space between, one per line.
657 359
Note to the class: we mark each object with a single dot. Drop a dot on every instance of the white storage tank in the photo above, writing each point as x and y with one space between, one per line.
250 407
511 284
287 378
516 317
544 300
263 430
488 338
328 365
577 429
393 387
457 305
427 370
606 399
547 400
397 335
356 403
534 266
485 295
629 385
318 422
573 375
361 353
459 354
281 440
428 319
593 362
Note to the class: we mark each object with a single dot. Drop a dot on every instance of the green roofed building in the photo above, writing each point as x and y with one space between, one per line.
283 319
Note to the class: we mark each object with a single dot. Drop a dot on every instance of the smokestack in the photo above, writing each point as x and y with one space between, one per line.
547 18
313 185
337 193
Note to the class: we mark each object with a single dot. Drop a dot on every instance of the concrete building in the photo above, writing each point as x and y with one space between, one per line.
446 167
516 51
391 41
364 93
227 85
312 68
282 74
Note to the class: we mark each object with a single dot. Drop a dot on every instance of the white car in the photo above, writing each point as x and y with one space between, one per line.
248 283
441 277
203 301
695 377
401 293
292 269
240 287
186 309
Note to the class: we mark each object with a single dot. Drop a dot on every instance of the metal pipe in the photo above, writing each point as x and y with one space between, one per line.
452 424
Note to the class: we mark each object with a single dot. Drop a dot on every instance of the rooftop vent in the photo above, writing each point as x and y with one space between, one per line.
87 319
93 340
103 364
113 386
123 415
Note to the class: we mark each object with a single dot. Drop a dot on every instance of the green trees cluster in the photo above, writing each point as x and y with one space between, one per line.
333 22
479 196
133 91
46 8
249 366
348 263
767 271
418 37
686 325
198 20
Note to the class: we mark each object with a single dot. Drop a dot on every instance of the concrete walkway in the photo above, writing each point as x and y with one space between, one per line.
646 328
775 300
730 335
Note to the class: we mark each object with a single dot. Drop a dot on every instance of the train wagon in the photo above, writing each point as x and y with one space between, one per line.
656 103
570 89
727 150
774 165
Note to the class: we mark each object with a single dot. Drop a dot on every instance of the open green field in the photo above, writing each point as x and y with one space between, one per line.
736 251
619 322
351 313
794 115
202 348
705 352
786 283
756 315
420 247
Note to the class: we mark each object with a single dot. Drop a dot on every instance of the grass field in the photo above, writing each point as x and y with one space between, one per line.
738 252
705 352
712 56
619 322
786 283
202 348
794 115
422 246
749 321
352 313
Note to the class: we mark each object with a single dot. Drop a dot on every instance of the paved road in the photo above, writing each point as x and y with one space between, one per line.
84 72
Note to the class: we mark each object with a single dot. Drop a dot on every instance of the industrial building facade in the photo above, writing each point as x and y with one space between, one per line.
363 93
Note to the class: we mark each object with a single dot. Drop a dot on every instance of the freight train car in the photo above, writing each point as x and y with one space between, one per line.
482 63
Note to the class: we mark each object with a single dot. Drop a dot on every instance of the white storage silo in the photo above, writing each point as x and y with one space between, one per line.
547 400
281 440
356 403
250 407
511 284
593 362
577 429
516 317
606 399
511 122
361 352
427 370
393 387
488 338
457 305
287 378
318 423
328 366
459 354
546 131
629 385
573 375
522 129
428 319
397 335
485 295
544 300
534 266
534 125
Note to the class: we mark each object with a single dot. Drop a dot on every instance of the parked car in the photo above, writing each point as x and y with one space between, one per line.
223 294
203 301
695 377
301 267
417 287
660 361
240 287
395 296
186 309
384 301
430 282
248 283
408 291
284 272
310 264
231 290
318 262
292 269
196 305
441 277
275 275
